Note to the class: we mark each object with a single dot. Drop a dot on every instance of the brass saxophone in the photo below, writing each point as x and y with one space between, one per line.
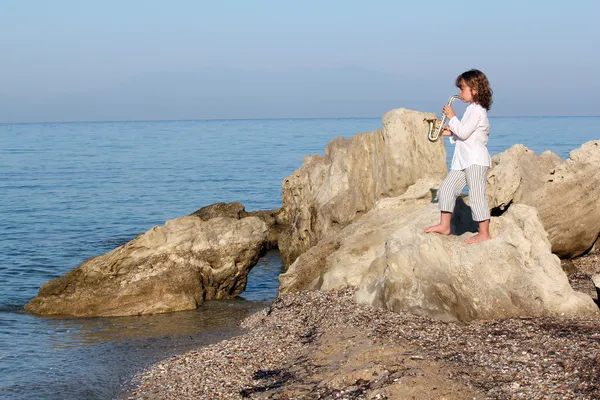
437 126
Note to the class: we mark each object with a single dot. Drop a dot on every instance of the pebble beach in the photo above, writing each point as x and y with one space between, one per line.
321 345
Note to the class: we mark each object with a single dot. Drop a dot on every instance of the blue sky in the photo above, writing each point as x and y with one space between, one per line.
139 60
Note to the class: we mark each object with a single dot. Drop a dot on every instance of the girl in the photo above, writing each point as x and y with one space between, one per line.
471 158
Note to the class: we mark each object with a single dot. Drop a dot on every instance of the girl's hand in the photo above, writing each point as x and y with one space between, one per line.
446 131
449 111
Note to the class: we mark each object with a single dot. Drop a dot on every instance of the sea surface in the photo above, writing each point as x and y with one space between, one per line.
70 191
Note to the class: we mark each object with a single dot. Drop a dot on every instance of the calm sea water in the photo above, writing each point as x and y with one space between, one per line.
71 191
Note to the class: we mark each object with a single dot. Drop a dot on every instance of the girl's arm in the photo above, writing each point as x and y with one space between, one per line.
464 128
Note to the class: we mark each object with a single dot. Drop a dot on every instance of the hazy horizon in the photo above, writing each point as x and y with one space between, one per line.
262 119
68 61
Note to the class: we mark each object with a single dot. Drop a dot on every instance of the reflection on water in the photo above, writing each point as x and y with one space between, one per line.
95 358
210 317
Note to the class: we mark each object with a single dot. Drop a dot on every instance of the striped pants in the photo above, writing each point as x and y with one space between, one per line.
475 176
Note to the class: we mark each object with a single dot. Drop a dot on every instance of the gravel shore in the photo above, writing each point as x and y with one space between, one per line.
316 345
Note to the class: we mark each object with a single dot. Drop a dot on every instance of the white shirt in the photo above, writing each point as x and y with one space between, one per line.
470 135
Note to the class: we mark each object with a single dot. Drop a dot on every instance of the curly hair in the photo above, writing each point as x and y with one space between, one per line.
477 80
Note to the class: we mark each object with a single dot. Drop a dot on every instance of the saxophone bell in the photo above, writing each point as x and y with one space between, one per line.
435 127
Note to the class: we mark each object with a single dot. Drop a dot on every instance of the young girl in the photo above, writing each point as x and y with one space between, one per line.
471 158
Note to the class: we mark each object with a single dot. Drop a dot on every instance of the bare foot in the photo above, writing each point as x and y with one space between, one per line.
478 238
438 229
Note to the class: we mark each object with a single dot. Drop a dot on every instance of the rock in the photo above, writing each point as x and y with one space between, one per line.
327 193
596 281
516 173
237 210
306 273
169 268
269 217
596 247
566 193
396 266
232 210
513 275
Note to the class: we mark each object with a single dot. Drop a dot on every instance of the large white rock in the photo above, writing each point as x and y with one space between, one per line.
341 259
395 265
565 192
516 174
169 268
329 192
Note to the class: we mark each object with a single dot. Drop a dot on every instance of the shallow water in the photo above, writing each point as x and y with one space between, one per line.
76 190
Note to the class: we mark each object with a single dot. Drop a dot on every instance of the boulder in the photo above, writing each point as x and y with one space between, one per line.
238 211
169 268
516 174
565 192
394 265
329 192
232 210
357 243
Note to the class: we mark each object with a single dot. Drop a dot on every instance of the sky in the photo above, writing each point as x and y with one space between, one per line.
169 60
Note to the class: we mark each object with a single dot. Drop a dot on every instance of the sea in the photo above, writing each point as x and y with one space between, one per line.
71 191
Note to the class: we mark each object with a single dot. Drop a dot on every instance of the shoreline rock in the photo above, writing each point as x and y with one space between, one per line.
394 265
566 193
174 267
237 210
329 192
513 275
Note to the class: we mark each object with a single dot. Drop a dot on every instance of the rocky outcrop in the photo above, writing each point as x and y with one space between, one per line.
515 274
169 268
231 210
238 211
327 193
516 173
396 266
363 239
565 192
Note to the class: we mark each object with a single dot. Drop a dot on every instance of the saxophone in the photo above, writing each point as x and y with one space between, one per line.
435 126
